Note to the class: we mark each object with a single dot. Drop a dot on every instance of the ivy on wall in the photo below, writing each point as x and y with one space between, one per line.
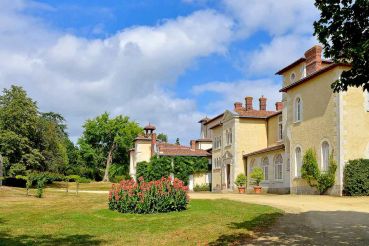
181 166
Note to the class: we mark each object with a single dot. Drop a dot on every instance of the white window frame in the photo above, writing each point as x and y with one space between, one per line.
298 163
324 160
278 165
298 109
280 128
265 166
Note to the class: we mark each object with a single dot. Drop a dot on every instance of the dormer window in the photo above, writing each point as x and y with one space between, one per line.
293 77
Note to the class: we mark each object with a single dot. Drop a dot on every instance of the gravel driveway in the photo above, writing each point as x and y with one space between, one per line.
309 220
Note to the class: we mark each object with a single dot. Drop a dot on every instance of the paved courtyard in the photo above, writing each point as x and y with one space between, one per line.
309 220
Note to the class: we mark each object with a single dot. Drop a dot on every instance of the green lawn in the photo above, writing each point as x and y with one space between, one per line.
65 219
82 186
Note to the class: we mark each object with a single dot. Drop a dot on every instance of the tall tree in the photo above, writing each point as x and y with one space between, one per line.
106 139
343 29
30 140
178 142
1 170
162 137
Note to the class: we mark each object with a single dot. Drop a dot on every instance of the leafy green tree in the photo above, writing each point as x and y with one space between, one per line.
29 140
343 30
177 141
162 137
106 140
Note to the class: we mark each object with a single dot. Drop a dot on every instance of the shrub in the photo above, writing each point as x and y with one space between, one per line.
202 187
322 181
84 180
142 197
356 178
257 175
241 180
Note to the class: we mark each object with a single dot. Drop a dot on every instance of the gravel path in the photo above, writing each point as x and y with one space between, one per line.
309 220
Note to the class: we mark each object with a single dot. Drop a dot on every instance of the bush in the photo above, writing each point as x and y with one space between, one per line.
241 180
202 187
356 178
257 175
322 181
148 197
84 180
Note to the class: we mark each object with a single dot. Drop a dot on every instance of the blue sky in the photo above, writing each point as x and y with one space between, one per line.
162 61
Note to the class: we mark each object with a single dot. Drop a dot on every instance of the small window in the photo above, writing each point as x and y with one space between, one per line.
266 168
280 128
298 162
293 77
325 155
298 109
278 167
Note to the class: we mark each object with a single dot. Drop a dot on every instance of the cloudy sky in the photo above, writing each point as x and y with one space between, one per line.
169 62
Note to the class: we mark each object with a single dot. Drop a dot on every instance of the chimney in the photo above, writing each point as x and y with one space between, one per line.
193 144
278 106
313 59
153 143
237 106
248 105
262 103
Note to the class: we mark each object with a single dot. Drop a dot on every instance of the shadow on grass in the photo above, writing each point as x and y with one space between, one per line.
7 239
309 228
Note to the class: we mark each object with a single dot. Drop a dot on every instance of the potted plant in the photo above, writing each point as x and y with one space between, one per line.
241 183
257 175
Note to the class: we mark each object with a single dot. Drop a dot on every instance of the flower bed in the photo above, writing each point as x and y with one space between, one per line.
160 196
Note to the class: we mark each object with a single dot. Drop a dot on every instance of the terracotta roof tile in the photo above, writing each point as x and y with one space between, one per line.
254 113
166 149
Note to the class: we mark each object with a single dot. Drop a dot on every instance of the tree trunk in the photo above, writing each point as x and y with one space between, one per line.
108 163
1 170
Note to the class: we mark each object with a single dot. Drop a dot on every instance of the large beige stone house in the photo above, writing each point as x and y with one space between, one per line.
311 115
146 146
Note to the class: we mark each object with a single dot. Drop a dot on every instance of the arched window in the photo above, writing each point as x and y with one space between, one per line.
298 109
265 164
325 155
252 165
298 162
278 167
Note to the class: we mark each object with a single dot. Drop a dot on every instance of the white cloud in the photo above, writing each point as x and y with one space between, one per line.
280 52
275 17
123 73
236 91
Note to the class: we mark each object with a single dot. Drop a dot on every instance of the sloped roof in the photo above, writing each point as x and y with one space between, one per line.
243 113
165 149
268 149
313 75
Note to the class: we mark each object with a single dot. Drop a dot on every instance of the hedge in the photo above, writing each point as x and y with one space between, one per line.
181 166
356 178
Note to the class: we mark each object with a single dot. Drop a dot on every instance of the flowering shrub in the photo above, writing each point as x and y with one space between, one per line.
142 197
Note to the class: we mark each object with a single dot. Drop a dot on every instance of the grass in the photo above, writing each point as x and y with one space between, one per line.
65 219
102 186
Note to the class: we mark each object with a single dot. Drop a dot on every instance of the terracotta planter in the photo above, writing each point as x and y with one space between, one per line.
241 190
257 189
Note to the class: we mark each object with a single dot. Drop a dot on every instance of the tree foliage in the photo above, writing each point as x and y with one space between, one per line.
106 141
162 137
310 171
29 140
180 166
343 29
